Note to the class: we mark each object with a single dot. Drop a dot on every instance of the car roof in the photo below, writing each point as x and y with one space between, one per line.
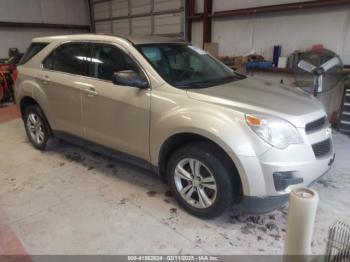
136 40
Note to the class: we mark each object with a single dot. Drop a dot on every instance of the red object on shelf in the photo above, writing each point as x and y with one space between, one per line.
14 75
334 119
7 74
317 47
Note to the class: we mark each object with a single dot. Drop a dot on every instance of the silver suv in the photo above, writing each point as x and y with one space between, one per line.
215 136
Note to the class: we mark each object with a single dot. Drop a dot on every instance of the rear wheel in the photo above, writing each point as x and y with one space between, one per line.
200 180
37 128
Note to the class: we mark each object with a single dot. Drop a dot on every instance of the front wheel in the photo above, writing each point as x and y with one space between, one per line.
200 180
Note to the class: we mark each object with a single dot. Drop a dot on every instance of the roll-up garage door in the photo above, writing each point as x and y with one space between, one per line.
139 17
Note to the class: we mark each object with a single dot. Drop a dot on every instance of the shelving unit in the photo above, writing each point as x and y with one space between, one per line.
284 70
272 70
344 116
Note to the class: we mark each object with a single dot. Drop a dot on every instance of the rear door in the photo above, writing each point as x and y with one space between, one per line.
62 77
115 116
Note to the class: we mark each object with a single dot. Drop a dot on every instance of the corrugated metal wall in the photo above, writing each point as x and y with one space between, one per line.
293 30
38 11
139 17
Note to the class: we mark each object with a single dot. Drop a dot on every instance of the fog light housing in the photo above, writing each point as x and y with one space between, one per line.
282 180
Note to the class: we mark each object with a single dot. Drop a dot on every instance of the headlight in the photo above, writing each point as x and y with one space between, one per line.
276 132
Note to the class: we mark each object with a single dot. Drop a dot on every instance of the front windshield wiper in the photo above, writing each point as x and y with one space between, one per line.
209 83
191 85
221 80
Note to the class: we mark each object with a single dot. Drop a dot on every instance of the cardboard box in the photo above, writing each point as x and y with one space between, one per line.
239 63
212 48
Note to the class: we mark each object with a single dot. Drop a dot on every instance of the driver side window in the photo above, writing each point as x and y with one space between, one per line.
108 59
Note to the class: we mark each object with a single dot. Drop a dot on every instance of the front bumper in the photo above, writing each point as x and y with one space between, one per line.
259 205
270 177
259 171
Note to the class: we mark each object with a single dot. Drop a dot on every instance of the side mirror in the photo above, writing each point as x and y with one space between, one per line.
129 78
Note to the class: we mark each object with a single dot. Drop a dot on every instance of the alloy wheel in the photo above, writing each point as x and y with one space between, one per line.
195 183
35 128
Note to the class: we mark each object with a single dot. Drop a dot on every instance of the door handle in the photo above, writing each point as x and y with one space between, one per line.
45 79
91 92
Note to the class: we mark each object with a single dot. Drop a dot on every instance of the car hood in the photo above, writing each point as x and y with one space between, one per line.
256 96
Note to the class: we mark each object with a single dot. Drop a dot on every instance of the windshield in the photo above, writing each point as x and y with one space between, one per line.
185 66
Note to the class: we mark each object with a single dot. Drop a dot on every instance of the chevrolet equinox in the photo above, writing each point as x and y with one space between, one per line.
215 136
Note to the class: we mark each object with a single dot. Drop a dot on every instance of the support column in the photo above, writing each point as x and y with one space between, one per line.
190 11
207 21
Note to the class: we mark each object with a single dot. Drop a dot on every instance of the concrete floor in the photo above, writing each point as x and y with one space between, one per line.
71 201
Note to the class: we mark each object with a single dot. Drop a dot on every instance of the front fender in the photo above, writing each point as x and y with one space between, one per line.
225 128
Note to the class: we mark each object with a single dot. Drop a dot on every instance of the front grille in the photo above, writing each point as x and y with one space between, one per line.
323 148
316 125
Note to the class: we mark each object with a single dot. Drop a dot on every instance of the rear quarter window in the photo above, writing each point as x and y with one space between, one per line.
33 50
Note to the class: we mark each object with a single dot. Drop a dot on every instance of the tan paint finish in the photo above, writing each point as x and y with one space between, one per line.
118 117
138 122
60 87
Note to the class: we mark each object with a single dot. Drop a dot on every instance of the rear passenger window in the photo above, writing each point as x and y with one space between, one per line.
108 59
69 58
33 49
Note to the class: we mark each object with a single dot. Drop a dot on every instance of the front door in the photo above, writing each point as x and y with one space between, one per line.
115 116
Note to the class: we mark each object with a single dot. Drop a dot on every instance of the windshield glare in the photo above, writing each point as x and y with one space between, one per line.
186 66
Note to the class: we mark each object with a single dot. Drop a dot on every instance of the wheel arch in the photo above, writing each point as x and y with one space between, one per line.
25 102
178 140
28 101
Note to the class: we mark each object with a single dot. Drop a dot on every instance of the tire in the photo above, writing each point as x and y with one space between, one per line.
210 194
36 126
